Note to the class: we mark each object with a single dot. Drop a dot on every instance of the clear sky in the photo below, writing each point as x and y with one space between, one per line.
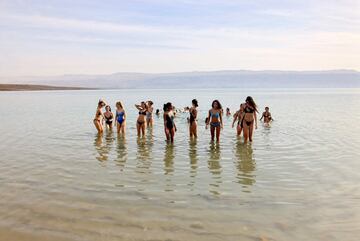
39 37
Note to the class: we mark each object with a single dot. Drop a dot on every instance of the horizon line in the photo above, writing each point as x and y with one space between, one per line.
180 72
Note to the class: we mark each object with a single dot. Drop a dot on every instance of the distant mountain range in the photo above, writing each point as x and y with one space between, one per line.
203 79
32 87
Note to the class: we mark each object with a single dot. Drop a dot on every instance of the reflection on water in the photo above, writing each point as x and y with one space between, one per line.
169 156
193 156
144 154
245 164
215 167
288 175
103 149
122 154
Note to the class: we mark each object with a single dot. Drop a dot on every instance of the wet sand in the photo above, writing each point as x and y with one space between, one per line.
9 234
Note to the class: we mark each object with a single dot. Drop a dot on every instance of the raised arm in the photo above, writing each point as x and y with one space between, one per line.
262 116
235 118
255 116
221 121
138 107
207 120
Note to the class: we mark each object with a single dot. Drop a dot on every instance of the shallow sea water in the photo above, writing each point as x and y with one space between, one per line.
298 180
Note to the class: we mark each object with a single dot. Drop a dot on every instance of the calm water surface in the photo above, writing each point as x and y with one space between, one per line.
298 180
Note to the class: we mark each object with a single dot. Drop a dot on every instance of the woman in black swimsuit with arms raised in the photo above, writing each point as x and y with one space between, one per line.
169 124
141 120
247 122
193 119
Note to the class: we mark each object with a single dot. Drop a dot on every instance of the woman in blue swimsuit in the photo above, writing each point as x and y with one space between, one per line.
214 119
120 118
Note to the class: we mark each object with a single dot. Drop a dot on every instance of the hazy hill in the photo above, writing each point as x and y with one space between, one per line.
212 79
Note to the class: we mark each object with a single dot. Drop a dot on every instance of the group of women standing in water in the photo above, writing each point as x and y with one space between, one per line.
245 118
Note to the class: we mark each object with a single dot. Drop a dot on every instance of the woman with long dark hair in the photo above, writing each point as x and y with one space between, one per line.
214 119
250 110
169 124
109 117
193 119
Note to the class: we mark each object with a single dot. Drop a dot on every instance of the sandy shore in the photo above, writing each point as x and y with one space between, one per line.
14 235
20 87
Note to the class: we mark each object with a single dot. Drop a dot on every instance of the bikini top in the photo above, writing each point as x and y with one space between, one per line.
142 112
248 109
216 115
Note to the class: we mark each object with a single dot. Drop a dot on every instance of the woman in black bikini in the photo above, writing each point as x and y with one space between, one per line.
99 116
214 119
250 110
267 116
141 120
109 117
192 119
238 116
169 124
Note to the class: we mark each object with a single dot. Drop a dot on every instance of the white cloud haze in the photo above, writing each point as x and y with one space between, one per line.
99 37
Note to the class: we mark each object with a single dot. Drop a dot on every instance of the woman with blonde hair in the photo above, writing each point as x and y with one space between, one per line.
120 117
149 114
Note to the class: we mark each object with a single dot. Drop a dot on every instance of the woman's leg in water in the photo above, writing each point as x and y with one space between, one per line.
143 126
138 126
98 126
218 133
118 127
239 130
194 126
172 134
167 134
246 132
251 130
212 132
122 129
